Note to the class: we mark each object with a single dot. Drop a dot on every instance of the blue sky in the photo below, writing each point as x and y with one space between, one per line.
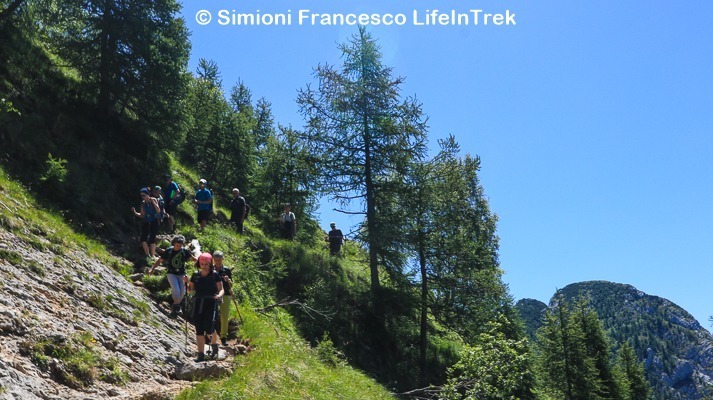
593 122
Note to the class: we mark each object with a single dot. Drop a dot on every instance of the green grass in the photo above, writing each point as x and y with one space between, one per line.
82 363
283 364
11 257
21 214
285 367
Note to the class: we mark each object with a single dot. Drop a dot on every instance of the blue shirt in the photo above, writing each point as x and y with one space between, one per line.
203 195
170 191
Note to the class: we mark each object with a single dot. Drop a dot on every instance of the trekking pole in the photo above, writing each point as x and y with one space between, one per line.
185 320
212 327
237 309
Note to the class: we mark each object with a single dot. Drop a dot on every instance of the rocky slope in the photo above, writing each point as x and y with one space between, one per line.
677 351
74 328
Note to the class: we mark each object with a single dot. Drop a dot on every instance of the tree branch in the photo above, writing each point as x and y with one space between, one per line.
286 302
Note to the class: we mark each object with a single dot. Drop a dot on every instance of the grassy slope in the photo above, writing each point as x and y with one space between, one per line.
282 366
285 367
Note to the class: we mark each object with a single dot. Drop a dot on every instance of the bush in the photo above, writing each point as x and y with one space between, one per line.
56 170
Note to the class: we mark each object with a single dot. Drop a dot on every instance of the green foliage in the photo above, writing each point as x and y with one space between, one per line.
219 141
567 370
35 268
329 354
492 368
93 36
284 175
56 171
114 373
632 378
650 324
81 361
11 257
361 133
531 313
155 283
284 366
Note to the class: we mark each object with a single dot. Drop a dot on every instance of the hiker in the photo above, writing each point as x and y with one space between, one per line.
156 193
237 210
149 228
208 289
172 196
175 259
335 239
288 223
227 276
204 199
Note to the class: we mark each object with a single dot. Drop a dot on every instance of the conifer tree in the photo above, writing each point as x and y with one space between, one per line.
131 56
284 176
633 380
598 348
219 138
362 133
567 369
452 237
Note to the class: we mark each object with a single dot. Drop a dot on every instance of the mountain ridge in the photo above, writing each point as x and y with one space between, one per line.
676 350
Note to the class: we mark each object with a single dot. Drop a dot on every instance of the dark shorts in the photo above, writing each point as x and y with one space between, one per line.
288 229
204 215
172 208
149 230
203 315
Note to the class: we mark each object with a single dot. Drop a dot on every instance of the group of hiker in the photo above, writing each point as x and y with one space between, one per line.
211 282
157 206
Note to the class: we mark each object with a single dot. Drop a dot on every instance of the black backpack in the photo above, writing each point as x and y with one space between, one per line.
180 195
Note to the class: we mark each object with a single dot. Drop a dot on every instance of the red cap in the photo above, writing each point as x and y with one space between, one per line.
205 256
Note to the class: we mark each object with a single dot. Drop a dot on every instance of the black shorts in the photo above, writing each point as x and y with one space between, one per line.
203 315
171 208
149 230
204 215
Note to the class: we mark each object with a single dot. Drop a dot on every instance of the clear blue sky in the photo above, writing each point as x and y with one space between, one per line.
593 122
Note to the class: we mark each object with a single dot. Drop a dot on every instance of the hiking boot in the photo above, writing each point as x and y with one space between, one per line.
175 309
215 351
224 341
201 357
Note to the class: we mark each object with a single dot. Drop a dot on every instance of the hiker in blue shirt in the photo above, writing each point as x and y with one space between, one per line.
149 228
204 200
172 196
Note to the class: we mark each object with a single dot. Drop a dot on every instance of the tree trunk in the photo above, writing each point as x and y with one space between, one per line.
423 341
566 351
106 53
371 226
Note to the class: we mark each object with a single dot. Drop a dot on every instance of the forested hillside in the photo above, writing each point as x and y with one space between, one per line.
676 350
96 103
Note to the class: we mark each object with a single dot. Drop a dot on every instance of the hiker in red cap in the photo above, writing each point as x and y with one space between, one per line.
208 287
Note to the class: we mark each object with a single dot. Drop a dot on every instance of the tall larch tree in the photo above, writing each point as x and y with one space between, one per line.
363 132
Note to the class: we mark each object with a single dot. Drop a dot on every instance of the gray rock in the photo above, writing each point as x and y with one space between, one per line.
194 371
